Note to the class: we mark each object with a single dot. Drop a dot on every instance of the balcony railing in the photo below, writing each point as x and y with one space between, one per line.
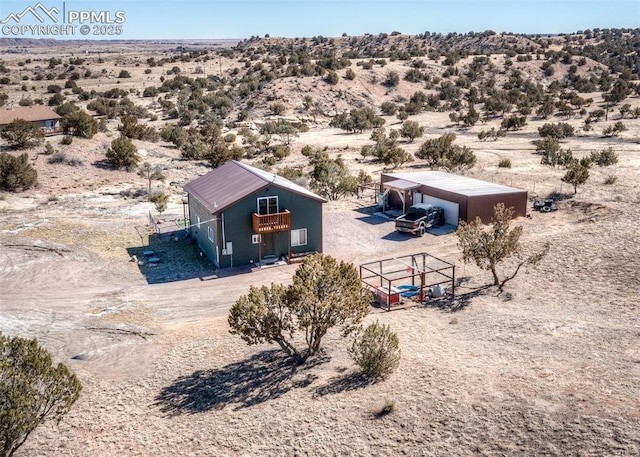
52 131
268 223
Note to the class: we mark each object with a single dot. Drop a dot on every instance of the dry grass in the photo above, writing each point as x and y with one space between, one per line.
550 367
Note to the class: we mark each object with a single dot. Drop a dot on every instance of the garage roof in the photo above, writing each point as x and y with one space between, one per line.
453 183
401 184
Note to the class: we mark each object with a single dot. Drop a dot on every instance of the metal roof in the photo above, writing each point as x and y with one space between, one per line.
401 184
453 183
233 181
28 113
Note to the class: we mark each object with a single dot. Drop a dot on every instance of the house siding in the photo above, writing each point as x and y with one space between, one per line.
234 225
201 234
305 213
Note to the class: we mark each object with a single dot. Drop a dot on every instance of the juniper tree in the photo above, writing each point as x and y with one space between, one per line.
325 294
490 247
32 390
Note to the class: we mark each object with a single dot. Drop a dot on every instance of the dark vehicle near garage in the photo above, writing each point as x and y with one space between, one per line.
419 218
545 206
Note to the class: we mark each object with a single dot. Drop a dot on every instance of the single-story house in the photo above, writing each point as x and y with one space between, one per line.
461 198
241 215
43 116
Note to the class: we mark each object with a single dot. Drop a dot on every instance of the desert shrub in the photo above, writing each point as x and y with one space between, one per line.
174 134
33 390
150 91
513 122
389 108
504 163
392 79
25 101
21 134
350 74
58 157
61 158
291 173
160 200
613 130
411 130
48 149
123 154
357 120
80 124
558 131
277 109
442 153
576 175
193 148
124 74
492 134
604 157
610 179
16 172
131 128
281 151
376 350
332 78
66 140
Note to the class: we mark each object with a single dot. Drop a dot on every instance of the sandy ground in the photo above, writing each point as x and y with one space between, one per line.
549 367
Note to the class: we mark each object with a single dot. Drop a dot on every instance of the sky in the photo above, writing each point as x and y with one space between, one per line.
216 19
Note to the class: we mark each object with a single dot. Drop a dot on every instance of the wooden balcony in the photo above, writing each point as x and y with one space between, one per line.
269 223
52 131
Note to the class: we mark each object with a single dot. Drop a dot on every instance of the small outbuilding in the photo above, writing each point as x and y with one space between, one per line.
42 116
241 215
461 198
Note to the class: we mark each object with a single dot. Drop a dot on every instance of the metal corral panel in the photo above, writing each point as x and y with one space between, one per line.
451 209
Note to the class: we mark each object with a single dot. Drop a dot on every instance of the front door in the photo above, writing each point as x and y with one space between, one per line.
268 244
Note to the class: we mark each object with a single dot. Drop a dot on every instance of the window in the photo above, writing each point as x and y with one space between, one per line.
267 205
299 237
212 236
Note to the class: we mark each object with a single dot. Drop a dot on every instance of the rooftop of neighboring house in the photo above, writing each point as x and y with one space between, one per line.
33 113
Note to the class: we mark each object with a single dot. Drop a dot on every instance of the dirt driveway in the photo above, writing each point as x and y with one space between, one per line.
550 370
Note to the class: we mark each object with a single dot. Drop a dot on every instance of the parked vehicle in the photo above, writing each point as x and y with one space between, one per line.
545 206
419 218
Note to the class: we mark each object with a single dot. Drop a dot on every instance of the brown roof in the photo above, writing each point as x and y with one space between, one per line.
233 181
28 113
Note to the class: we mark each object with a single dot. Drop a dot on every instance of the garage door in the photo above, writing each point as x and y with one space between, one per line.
451 210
